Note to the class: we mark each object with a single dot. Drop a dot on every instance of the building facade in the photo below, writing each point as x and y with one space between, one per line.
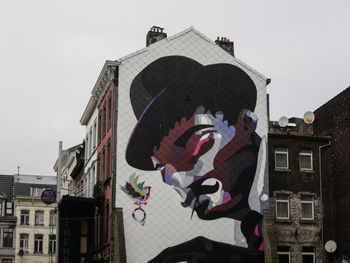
36 221
191 119
7 220
104 92
333 119
89 120
295 191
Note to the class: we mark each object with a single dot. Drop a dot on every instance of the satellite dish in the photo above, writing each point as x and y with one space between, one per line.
309 117
283 121
330 246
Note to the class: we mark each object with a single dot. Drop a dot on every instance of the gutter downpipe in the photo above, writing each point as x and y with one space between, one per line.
321 195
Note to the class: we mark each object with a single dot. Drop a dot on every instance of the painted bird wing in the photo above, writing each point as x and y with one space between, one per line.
128 189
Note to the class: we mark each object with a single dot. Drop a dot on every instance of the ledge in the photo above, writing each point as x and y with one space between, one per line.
283 221
307 222
282 170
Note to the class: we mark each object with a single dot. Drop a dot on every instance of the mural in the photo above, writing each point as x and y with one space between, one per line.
196 125
139 194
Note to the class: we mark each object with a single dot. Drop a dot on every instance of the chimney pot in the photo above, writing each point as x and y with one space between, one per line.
155 34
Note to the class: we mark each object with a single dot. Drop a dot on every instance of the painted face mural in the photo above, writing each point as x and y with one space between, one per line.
196 125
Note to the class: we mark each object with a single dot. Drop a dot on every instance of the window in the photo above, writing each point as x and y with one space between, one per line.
36 191
101 221
94 135
83 236
281 158
282 206
103 164
38 243
24 217
85 185
87 147
39 218
107 222
52 243
1 205
99 127
52 218
305 160
109 112
6 260
99 177
90 142
308 254
8 208
23 242
104 121
108 174
283 254
307 207
7 237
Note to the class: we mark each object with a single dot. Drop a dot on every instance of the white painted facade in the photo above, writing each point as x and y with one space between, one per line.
90 120
168 223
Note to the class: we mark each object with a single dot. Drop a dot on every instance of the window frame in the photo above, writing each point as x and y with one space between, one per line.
280 200
8 241
41 219
52 218
308 253
279 150
307 202
284 252
38 241
8 207
26 218
310 154
24 239
52 244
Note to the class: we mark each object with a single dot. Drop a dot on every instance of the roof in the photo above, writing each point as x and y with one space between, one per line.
24 188
205 38
345 92
35 179
6 185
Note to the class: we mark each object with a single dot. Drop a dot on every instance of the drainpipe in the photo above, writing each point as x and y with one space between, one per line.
321 196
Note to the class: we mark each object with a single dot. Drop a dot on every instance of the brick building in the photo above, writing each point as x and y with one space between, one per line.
295 194
333 119
104 92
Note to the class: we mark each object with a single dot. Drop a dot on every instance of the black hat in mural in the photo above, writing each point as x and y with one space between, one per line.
173 87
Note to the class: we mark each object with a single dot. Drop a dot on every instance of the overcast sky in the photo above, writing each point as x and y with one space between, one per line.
51 53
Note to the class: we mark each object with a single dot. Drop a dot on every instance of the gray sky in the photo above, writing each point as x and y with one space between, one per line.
52 52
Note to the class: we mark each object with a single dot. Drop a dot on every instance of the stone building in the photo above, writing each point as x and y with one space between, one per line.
295 192
333 119
7 220
36 221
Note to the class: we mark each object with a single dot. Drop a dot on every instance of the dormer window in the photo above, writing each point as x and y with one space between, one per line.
36 191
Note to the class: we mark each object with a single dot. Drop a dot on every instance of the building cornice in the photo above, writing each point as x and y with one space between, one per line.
104 80
89 109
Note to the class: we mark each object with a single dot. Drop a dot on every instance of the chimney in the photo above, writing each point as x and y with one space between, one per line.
155 34
225 44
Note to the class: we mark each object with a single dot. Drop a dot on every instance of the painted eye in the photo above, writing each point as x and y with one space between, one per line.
205 138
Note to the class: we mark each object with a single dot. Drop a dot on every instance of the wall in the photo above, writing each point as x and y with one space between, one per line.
294 232
333 119
32 204
158 220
